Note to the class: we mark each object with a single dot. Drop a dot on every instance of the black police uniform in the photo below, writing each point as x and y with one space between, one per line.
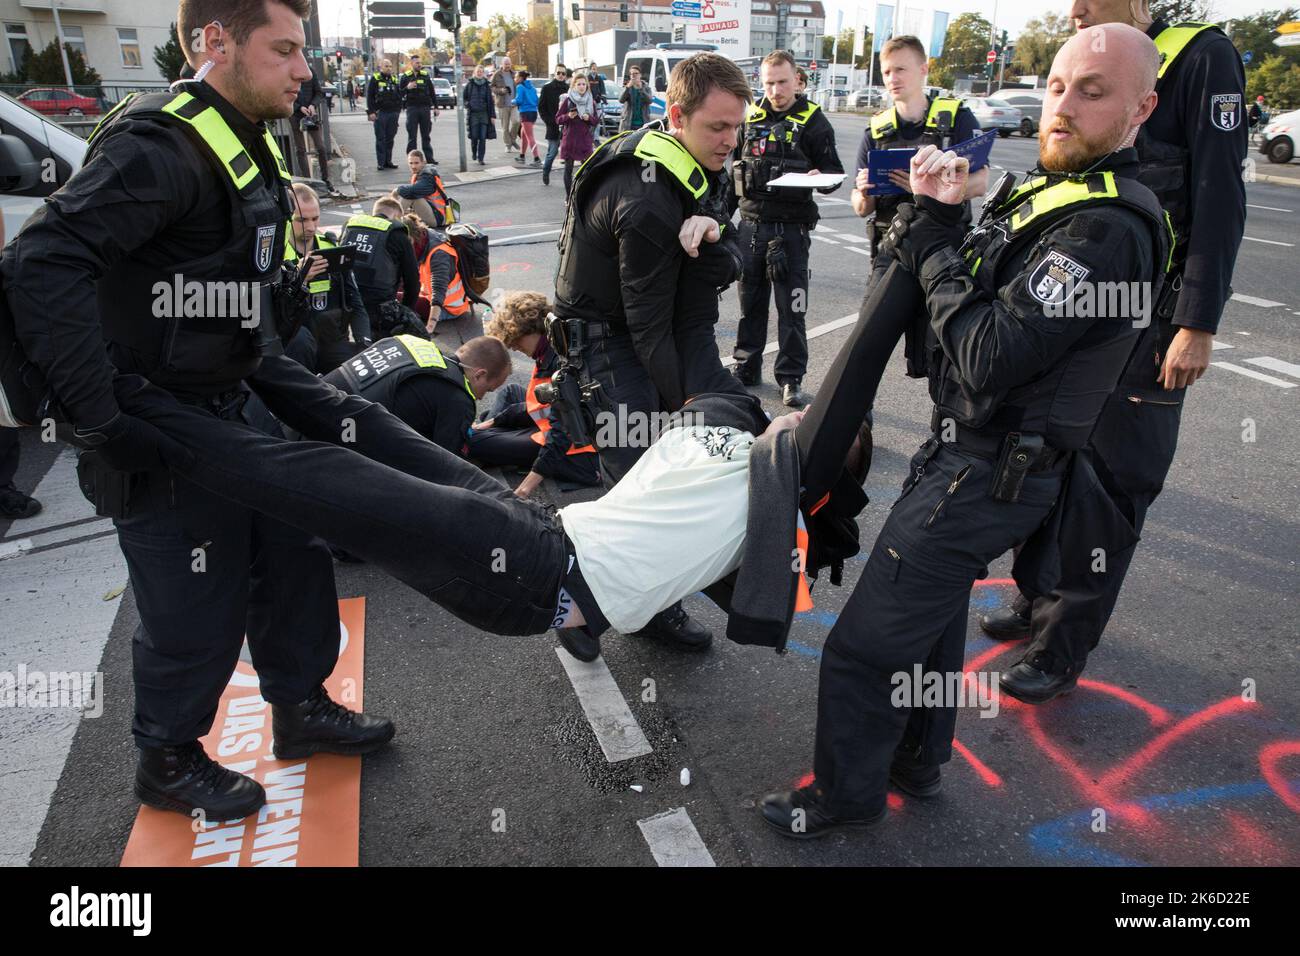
178 187
330 309
411 378
1191 151
620 267
945 123
384 257
384 100
418 98
1018 384
774 230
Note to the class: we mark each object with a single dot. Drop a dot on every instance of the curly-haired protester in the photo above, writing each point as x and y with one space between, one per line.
519 429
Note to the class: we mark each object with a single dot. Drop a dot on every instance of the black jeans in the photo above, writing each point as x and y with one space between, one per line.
909 607
439 525
205 571
791 299
1133 448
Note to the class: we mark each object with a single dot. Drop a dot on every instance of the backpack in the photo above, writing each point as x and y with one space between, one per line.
472 253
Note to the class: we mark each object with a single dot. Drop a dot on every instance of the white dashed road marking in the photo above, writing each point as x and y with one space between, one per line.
1251 373
1276 365
1251 300
617 732
673 839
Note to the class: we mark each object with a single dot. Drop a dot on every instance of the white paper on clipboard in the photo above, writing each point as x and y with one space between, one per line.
806 181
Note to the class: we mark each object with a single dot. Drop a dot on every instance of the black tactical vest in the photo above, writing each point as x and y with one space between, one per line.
936 130
376 373
373 267
1095 361
218 310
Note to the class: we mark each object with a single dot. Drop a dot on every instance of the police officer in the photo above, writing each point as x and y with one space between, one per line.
332 306
1192 151
417 94
433 393
384 258
784 133
621 261
182 196
1018 385
914 119
383 104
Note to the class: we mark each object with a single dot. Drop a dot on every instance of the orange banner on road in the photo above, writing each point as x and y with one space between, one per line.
313 806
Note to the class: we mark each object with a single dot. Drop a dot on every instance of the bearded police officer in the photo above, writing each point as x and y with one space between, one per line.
620 265
1192 150
784 133
1018 382
383 105
332 306
914 119
184 196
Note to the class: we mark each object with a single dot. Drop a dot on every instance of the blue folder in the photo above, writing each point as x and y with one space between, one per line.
881 161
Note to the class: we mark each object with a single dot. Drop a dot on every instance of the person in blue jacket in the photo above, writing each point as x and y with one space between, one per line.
526 104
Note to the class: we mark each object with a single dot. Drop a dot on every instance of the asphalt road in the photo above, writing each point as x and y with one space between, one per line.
1157 735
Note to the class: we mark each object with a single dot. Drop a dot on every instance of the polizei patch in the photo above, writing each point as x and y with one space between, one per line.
1225 111
263 246
1055 278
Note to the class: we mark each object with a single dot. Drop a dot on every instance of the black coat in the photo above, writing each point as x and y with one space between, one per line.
547 101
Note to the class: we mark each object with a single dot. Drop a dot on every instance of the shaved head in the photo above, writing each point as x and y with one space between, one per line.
1099 91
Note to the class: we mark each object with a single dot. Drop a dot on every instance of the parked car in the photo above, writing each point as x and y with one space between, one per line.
995 113
443 95
1279 137
30 147
1030 104
611 116
867 98
55 101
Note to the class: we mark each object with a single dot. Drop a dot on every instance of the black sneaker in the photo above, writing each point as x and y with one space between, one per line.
579 643
791 397
14 504
1032 681
918 779
1006 624
745 376
674 626
184 779
319 725
800 814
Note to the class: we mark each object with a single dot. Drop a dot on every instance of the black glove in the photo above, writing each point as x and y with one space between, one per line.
777 265
719 263
919 230
132 444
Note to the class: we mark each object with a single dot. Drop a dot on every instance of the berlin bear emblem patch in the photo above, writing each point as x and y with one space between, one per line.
1225 111
263 244
1055 278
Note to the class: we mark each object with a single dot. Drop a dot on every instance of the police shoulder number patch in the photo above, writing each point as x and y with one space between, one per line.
1225 111
1055 278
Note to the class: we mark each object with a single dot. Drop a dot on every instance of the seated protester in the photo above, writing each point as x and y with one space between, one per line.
332 305
520 429
433 393
442 290
613 562
420 238
425 195
384 260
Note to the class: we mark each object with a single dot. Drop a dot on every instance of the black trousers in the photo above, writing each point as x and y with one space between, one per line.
385 133
205 572
10 447
909 607
791 299
439 524
1133 449
612 360
419 120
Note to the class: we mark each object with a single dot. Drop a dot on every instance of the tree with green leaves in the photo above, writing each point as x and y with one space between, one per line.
964 50
1174 11
1255 35
170 58
1039 42
46 67
1278 81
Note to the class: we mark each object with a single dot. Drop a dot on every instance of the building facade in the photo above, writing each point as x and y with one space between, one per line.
116 37
794 26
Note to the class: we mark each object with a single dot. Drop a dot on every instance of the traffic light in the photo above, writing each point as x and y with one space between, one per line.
469 9
622 13
577 14
446 15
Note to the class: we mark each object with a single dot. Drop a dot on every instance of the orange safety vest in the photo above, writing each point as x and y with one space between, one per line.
454 301
540 414
437 199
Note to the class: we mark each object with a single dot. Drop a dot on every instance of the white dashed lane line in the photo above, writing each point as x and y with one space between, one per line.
673 839
1251 373
619 735
1276 365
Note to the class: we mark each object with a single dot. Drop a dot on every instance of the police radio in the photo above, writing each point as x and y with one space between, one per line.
765 156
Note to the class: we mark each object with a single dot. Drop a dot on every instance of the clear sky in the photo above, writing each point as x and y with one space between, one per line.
342 17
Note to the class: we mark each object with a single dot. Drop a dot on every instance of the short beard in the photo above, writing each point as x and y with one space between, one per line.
251 101
1081 153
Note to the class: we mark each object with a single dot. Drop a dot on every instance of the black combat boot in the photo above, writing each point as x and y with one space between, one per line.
913 777
1006 624
1035 680
15 504
184 779
318 725
801 814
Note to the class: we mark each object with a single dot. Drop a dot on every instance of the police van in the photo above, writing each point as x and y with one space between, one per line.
655 63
